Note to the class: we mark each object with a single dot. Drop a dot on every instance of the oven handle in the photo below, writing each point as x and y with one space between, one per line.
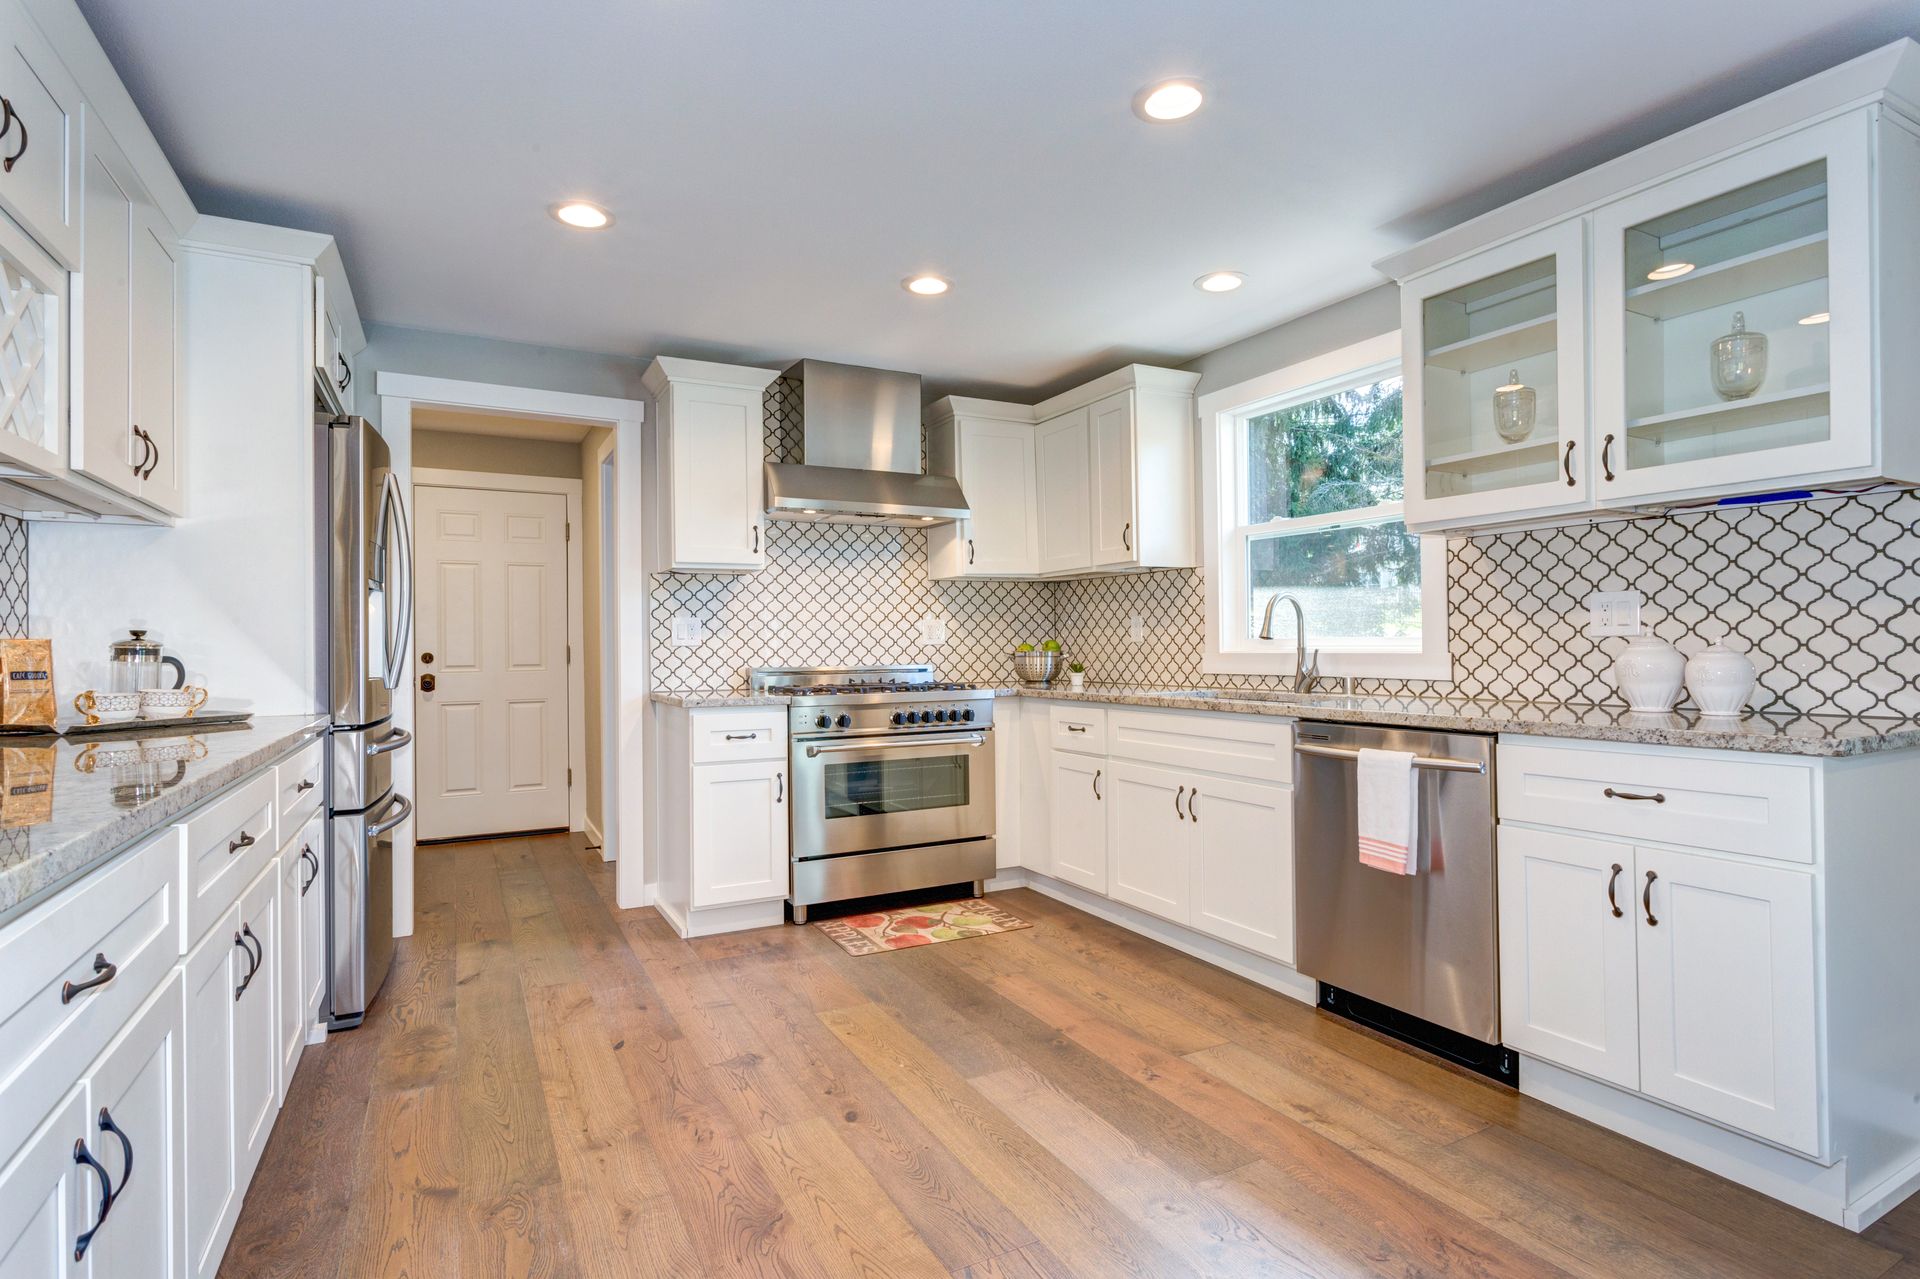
923 743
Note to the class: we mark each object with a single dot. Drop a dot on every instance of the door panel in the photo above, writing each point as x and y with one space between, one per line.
1728 1013
103 294
492 614
155 316
740 832
256 1038
1568 991
47 1200
719 496
1243 864
1079 820
1064 462
996 473
212 1190
1149 839
1115 539
139 1084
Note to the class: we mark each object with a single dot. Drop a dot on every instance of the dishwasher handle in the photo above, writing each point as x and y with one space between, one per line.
1431 763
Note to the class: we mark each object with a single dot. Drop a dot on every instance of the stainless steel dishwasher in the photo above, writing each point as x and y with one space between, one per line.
1416 956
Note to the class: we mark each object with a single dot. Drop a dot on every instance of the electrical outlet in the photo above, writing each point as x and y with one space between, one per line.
933 630
1136 629
687 630
1614 613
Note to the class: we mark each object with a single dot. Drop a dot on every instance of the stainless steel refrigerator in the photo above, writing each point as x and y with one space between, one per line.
366 552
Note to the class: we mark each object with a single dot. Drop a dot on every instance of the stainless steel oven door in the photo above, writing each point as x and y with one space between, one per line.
854 796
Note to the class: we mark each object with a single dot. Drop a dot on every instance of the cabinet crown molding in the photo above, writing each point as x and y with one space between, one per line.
667 370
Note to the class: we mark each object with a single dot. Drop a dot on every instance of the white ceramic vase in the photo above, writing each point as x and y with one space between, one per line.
1077 681
1720 679
1649 673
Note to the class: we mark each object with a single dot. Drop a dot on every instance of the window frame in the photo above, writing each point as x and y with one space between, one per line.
1225 542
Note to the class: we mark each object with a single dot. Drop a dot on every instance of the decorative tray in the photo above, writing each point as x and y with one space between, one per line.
151 727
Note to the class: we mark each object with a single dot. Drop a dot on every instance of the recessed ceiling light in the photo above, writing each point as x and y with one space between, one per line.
1168 100
1670 271
1220 281
927 286
1818 317
582 214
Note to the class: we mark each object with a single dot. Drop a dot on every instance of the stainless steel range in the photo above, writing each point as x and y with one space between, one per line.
892 780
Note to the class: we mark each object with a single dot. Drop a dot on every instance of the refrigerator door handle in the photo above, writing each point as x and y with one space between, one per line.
397 812
391 742
399 619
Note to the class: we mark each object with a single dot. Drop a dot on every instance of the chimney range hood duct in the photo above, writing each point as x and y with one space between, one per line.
860 453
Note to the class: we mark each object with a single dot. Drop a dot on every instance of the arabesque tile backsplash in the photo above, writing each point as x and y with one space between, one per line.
1824 596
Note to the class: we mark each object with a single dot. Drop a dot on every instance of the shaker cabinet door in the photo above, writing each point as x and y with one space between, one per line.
1115 532
1149 840
47 1200
739 832
1078 820
104 445
1063 461
138 1087
1243 864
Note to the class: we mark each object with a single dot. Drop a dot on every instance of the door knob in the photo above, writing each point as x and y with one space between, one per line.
426 659
428 683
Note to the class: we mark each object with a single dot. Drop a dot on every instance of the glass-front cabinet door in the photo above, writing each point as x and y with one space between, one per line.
1732 322
1495 364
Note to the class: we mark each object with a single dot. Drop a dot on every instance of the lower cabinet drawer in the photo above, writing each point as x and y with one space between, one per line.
1731 806
73 971
721 737
1257 747
227 844
299 783
1077 727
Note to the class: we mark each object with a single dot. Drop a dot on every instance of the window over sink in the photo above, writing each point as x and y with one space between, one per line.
1305 488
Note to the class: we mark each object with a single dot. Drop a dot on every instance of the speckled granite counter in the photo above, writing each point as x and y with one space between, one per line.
702 698
1815 735
96 811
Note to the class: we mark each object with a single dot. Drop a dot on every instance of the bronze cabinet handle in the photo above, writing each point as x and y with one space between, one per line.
1176 802
306 784
153 454
1566 463
1193 805
780 788
1606 449
346 372
756 539
1096 783
1646 899
12 116
969 550
1611 899
235 845
84 1157
1657 797
1126 536
104 973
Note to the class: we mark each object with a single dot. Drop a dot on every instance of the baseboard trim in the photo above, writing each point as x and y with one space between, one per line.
594 837
1878 1200
1242 963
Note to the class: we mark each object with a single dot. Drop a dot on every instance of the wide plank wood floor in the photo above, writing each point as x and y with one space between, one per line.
550 1086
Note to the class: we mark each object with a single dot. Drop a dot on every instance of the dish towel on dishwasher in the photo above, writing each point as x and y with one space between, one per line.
1388 793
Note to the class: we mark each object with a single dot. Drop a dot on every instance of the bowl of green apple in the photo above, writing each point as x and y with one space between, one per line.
1037 664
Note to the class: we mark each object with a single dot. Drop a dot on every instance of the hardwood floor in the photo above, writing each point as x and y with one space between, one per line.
553 1087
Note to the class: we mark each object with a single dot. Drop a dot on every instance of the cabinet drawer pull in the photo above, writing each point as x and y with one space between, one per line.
1606 466
1193 805
306 784
253 959
1611 899
742 737
153 455
780 788
105 971
1076 728
126 1152
1126 536
307 857
1096 784
346 373
756 539
1566 463
84 1157
1176 802
1656 798
235 845
12 118
969 550
1646 899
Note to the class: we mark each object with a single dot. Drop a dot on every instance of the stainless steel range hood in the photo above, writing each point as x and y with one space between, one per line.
860 453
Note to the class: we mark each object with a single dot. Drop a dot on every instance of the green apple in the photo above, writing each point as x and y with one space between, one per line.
1023 648
1050 646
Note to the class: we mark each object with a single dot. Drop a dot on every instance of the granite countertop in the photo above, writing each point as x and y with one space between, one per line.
1772 734
702 698
91 812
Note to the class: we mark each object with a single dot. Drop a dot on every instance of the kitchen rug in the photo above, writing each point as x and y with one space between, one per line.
920 926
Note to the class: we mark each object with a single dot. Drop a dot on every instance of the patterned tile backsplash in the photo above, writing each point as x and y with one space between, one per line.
1824 596
13 577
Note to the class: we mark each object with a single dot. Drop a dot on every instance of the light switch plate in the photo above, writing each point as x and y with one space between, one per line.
933 630
1136 629
687 630
1614 613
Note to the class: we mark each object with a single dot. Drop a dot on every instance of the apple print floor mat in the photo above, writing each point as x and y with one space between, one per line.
918 926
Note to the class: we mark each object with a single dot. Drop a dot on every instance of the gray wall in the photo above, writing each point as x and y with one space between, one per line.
391 348
1362 316
495 454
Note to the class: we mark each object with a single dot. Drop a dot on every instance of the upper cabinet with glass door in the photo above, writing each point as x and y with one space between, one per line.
1495 362
1734 322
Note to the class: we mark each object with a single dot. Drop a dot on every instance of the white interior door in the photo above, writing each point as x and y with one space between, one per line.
491 617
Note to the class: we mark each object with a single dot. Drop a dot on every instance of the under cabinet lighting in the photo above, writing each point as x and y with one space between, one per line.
1818 317
1167 101
926 286
583 215
1220 281
1670 271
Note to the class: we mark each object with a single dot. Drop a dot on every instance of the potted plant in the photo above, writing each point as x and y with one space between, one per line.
1076 677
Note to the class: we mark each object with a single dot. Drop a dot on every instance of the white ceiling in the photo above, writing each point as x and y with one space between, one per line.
777 166
558 430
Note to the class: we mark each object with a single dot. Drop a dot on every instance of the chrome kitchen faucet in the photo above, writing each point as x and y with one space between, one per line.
1306 666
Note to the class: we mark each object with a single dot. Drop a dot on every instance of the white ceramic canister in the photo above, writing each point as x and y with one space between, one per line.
1649 673
1720 679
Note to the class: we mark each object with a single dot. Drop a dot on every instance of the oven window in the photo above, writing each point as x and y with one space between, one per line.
873 787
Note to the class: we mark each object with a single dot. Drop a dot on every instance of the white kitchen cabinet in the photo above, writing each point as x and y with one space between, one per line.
291 1017
313 923
1569 985
138 1087
211 974
1141 468
47 1200
712 460
332 372
739 832
1077 825
33 350
993 457
1063 464
1114 489
155 340
1242 864
1728 1005
1515 311
256 1039
40 137
1149 849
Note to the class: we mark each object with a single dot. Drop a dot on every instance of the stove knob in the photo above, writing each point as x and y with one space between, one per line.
899 717
845 721
940 716
821 721
966 715
920 718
